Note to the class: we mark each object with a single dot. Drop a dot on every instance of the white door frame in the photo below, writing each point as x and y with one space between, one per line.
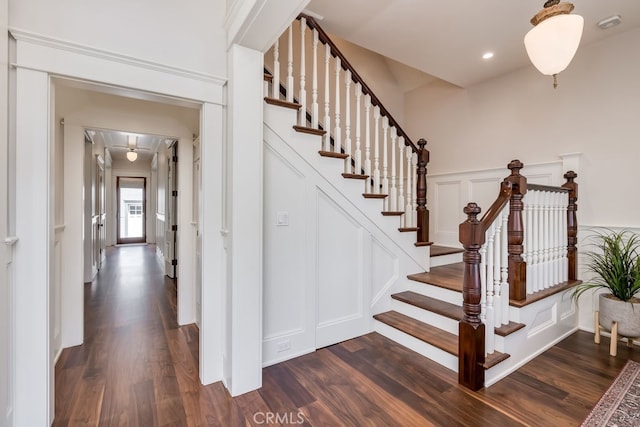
38 62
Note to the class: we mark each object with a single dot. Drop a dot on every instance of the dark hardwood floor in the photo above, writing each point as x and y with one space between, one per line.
139 368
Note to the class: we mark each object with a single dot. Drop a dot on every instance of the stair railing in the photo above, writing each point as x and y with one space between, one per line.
354 123
525 243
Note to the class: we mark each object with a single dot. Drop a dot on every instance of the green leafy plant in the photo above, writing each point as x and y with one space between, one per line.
615 263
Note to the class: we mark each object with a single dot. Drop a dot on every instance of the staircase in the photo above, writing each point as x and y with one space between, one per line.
424 311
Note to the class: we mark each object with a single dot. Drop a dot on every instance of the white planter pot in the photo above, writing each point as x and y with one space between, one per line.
627 315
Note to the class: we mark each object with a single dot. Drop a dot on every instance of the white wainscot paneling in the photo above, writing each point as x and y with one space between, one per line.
341 309
484 191
288 328
384 270
446 204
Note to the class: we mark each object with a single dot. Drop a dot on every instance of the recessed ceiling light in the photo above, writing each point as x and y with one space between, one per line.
487 55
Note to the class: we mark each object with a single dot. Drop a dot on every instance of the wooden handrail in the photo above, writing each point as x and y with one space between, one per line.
492 213
346 65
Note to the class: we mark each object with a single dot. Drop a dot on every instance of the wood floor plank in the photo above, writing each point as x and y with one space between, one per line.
139 367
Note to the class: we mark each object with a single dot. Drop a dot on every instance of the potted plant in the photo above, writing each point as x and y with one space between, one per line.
615 265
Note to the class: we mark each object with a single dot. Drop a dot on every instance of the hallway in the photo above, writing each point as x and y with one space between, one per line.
137 366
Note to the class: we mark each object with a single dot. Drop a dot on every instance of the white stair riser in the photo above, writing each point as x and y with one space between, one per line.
429 317
445 259
436 292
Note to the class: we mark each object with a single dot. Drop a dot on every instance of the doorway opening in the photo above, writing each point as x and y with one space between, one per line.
131 210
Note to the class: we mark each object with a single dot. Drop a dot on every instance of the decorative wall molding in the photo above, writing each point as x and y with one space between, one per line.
71 60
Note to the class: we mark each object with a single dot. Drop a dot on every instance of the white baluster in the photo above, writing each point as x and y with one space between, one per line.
367 143
358 152
302 112
527 217
385 177
347 122
275 83
554 240
535 233
489 323
314 83
504 271
565 241
337 133
376 150
546 233
408 213
393 191
497 259
327 117
401 178
483 292
290 66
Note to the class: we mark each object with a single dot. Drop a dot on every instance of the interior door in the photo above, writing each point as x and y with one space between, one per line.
171 231
101 213
131 210
197 209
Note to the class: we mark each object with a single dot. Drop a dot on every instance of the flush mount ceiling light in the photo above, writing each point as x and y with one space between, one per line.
132 155
554 39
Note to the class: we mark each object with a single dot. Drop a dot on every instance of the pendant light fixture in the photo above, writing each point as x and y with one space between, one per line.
554 39
132 155
132 141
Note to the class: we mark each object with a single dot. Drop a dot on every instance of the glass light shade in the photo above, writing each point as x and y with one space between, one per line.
552 43
132 156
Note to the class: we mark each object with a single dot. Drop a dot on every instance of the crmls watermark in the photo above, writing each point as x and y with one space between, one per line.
285 418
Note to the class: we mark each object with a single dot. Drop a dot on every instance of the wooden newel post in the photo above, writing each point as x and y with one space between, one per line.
515 233
572 224
471 329
421 193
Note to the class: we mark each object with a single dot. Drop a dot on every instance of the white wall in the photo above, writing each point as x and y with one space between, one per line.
520 115
6 387
161 29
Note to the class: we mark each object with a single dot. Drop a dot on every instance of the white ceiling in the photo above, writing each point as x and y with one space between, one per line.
117 144
446 39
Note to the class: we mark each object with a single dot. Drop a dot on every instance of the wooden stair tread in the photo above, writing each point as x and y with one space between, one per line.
445 276
545 293
407 229
332 154
281 103
354 176
433 305
420 244
392 213
422 331
437 250
374 196
310 131
512 327
494 358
